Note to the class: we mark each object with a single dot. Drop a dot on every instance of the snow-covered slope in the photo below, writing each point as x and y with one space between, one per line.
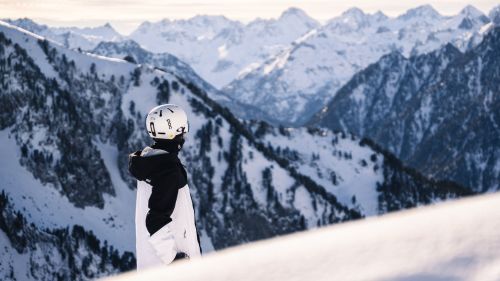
69 119
220 49
31 252
451 241
438 112
296 83
71 37
163 61
356 171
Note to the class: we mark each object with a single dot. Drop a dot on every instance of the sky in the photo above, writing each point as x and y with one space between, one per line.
126 15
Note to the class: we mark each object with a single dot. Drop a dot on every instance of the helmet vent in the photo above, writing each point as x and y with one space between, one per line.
152 127
161 112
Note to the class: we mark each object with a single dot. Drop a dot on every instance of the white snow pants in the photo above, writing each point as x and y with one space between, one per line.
177 236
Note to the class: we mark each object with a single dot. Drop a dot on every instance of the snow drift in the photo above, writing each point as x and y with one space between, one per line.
450 241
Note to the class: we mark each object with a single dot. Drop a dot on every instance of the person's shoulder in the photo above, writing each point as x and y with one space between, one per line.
149 151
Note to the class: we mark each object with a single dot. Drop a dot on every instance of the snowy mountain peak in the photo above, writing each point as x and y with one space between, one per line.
216 20
494 15
294 16
294 12
165 21
445 54
449 49
471 11
105 31
27 24
199 27
22 21
393 58
129 45
354 12
350 20
107 27
380 16
144 26
71 37
424 11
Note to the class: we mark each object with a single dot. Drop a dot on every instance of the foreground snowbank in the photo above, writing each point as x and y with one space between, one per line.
451 241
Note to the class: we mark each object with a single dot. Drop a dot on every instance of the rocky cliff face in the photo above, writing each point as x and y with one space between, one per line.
437 112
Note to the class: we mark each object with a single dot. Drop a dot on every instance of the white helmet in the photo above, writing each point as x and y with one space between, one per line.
166 121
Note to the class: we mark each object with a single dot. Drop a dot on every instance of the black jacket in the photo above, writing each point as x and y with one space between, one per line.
165 173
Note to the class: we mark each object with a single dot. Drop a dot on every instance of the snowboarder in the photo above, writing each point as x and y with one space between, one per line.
165 220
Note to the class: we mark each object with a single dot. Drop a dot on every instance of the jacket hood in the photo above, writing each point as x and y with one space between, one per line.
147 167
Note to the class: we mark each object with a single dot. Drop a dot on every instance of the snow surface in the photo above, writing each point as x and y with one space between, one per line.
11 260
450 241
356 175
44 206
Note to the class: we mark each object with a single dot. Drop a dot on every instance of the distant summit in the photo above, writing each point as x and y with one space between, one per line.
294 12
424 11
494 15
474 14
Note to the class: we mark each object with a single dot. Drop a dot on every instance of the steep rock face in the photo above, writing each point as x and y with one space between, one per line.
438 112
293 85
69 120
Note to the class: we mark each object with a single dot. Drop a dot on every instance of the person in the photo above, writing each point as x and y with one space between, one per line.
165 219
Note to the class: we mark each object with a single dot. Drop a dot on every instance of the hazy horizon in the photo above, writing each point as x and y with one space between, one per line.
127 15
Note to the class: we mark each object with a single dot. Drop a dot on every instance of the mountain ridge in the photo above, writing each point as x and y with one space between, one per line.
307 74
422 99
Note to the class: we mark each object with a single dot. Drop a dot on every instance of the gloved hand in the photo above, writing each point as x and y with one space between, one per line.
163 242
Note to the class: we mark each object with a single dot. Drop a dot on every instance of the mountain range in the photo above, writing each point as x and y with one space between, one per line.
69 119
284 70
220 49
291 87
438 112
71 37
